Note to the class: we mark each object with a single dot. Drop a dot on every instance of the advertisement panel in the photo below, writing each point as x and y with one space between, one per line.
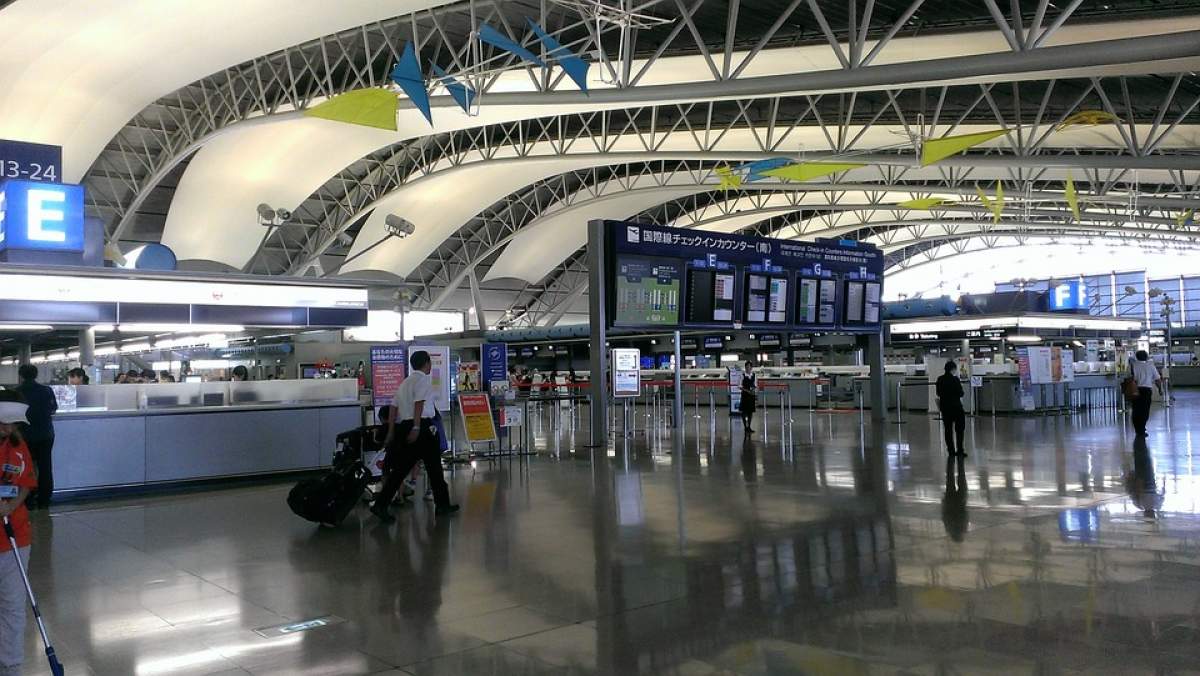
1025 379
495 363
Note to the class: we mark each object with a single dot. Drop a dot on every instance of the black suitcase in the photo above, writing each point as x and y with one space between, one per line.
328 499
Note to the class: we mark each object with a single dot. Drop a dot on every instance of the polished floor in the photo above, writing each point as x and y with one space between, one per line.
1057 547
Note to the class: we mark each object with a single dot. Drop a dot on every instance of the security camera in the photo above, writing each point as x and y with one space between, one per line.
344 239
265 212
399 227
283 214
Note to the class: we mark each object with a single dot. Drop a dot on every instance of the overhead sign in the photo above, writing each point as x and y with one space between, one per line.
477 417
769 340
1068 296
714 342
626 372
676 277
41 216
30 161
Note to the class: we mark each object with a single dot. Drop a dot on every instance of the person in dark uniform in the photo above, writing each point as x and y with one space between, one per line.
749 397
954 418
40 433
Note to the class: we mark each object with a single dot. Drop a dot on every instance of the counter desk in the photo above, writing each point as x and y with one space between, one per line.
126 436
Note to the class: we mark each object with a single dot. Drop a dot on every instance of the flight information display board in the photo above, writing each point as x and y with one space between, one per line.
684 278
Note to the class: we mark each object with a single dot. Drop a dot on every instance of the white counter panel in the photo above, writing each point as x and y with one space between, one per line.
99 452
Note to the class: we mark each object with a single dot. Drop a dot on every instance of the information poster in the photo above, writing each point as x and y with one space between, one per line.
1025 379
476 412
1041 366
626 372
494 366
389 364
440 373
511 416
468 377
1093 350
647 292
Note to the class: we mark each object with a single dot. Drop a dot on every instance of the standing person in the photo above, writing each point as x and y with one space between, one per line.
40 434
1146 375
954 417
17 480
411 437
749 397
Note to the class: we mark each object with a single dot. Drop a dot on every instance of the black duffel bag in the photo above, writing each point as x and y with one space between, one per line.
328 499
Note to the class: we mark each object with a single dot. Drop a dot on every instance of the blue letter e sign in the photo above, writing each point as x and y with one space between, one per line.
41 216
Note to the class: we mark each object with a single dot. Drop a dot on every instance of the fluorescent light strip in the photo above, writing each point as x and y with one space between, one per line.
25 327
975 324
1024 339
170 328
182 292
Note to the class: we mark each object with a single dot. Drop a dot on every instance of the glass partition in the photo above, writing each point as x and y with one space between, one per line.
151 396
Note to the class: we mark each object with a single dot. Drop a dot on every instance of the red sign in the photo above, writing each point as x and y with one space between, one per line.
477 417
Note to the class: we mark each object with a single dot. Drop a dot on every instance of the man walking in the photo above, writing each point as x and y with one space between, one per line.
411 438
39 436
1146 375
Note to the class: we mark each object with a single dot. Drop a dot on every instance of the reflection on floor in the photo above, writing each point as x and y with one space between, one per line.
1057 546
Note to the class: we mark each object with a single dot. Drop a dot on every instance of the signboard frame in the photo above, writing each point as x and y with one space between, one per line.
384 362
626 372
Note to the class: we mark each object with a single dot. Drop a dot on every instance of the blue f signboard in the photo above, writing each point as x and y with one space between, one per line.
41 216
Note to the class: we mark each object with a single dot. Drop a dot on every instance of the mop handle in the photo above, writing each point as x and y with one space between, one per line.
12 541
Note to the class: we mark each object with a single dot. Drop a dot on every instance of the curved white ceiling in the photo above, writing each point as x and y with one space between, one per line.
442 202
226 170
548 241
73 72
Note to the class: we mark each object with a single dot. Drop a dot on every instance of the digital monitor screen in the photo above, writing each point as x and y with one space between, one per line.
713 343
828 296
854 303
871 308
664 361
648 362
648 291
806 301
766 299
710 296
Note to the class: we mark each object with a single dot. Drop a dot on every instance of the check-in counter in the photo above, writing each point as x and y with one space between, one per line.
120 436
1185 376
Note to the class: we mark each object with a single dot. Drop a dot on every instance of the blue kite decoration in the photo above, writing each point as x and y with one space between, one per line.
463 95
407 74
575 67
754 170
496 39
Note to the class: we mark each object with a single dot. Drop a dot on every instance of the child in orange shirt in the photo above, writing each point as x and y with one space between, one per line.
17 479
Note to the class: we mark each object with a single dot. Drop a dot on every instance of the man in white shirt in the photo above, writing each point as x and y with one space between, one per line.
412 438
1146 375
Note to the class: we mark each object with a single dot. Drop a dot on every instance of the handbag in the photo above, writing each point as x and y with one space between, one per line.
1129 388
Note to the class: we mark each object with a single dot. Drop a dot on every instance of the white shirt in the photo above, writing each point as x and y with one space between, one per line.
418 386
1144 373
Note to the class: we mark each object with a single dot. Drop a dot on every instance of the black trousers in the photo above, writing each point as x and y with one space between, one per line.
1141 409
955 425
41 451
402 457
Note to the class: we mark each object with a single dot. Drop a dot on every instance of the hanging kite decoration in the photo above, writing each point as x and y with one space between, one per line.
1088 118
926 203
1072 197
377 107
804 171
934 150
996 204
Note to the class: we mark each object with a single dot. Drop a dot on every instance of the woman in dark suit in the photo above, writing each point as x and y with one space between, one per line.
749 397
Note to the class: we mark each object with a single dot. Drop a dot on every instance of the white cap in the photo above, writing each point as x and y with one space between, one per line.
13 412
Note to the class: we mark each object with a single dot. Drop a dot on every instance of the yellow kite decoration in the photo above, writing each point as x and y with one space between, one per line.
1088 118
1072 197
933 150
995 205
728 178
366 107
806 170
1186 218
926 203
